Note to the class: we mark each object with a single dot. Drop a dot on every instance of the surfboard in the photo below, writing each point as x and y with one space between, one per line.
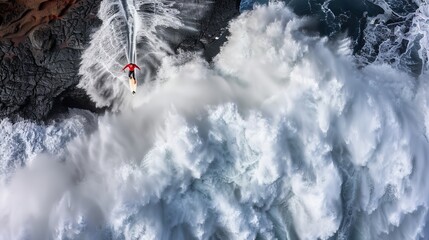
133 85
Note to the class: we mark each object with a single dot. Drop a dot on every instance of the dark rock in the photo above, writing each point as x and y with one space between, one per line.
213 29
190 44
38 68
73 98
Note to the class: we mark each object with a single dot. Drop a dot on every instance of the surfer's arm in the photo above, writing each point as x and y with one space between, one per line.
125 67
138 67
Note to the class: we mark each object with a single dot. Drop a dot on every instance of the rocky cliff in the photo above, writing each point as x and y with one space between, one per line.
40 48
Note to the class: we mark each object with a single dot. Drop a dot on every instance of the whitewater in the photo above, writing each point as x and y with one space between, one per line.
282 136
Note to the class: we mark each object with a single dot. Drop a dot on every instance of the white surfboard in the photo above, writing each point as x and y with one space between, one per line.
133 85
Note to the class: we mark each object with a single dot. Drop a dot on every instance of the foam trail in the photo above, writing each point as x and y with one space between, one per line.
131 18
282 137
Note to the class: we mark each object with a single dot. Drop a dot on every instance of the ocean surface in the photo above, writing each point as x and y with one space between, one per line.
311 123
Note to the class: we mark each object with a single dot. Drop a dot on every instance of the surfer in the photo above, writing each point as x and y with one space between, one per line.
131 66
131 75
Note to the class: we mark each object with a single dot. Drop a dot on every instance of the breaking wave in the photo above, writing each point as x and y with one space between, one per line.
282 136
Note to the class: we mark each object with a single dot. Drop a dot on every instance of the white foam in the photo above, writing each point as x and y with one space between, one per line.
398 39
24 140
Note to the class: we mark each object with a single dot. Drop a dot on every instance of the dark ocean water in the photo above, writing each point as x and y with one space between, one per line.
379 30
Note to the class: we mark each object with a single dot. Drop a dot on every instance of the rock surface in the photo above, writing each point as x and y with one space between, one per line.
40 47
213 29
41 43
23 16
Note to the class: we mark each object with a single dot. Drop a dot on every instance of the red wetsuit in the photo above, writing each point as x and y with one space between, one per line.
131 67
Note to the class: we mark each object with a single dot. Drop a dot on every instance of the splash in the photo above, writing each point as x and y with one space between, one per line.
23 141
281 137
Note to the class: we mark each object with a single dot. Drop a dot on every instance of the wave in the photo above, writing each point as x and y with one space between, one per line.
22 141
282 136
381 31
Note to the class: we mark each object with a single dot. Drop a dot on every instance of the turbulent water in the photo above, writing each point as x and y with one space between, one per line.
288 134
